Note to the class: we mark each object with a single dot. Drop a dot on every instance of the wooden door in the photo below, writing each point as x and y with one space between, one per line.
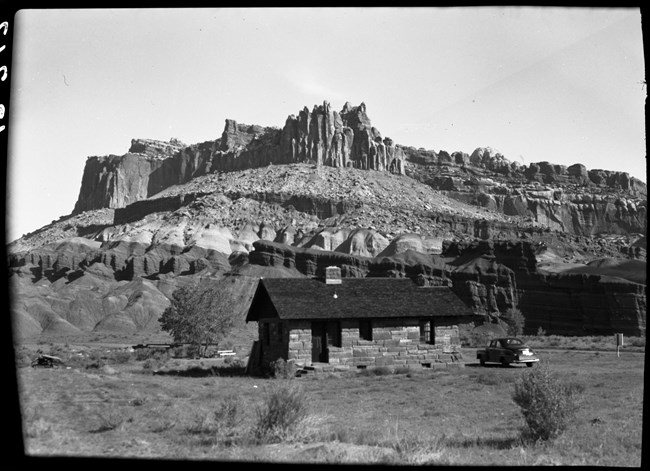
319 342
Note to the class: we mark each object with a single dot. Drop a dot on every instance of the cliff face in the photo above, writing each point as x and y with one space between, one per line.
570 199
578 212
345 139
321 136
595 299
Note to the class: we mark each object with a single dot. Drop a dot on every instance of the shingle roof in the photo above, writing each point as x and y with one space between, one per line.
299 298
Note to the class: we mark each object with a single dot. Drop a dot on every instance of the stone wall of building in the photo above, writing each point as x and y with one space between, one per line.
300 342
395 342
273 338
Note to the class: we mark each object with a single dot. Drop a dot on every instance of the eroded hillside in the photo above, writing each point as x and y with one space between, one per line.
328 189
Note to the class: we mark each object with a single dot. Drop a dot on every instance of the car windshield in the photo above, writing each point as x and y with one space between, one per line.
511 342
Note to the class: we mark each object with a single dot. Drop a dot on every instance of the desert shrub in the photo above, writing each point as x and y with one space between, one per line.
487 378
142 354
282 369
59 350
138 401
186 351
226 416
220 423
38 428
381 371
280 417
547 404
376 371
93 360
121 356
231 360
153 358
540 332
155 362
236 367
200 423
400 370
515 321
636 341
227 411
554 341
109 420
414 448
162 425
23 357
35 425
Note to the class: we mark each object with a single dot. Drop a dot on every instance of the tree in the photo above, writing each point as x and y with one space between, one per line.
199 315
515 321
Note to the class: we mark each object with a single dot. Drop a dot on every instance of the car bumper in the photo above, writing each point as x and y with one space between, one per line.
526 360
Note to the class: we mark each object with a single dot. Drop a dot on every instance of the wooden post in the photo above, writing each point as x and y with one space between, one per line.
619 343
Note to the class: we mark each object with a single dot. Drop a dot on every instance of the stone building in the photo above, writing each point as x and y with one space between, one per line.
356 322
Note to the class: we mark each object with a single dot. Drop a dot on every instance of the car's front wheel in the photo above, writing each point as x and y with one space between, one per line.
504 362
482 361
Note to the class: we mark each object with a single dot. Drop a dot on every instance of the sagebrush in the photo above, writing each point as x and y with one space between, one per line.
283 369
547 404
282 413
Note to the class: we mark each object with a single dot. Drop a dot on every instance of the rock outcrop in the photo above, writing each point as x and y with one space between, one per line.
570 199
593 299
321 136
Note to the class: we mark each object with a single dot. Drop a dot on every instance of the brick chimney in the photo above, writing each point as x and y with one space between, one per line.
333 276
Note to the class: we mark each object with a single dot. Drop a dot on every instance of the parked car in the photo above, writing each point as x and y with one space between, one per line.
507 350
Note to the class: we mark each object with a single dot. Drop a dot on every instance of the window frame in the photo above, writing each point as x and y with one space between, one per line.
426 331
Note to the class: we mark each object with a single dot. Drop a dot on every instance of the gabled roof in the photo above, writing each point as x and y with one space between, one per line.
360 298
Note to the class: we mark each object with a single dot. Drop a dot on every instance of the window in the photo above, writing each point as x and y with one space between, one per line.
425 332
365 329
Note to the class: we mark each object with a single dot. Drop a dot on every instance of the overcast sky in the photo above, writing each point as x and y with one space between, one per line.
563 85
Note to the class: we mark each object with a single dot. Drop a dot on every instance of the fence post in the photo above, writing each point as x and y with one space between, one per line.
619 343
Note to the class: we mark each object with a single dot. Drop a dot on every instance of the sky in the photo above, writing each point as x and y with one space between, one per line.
564 85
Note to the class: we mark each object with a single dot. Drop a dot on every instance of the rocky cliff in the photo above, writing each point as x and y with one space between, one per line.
570 199
320 136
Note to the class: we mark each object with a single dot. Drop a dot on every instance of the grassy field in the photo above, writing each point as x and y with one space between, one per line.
105 403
